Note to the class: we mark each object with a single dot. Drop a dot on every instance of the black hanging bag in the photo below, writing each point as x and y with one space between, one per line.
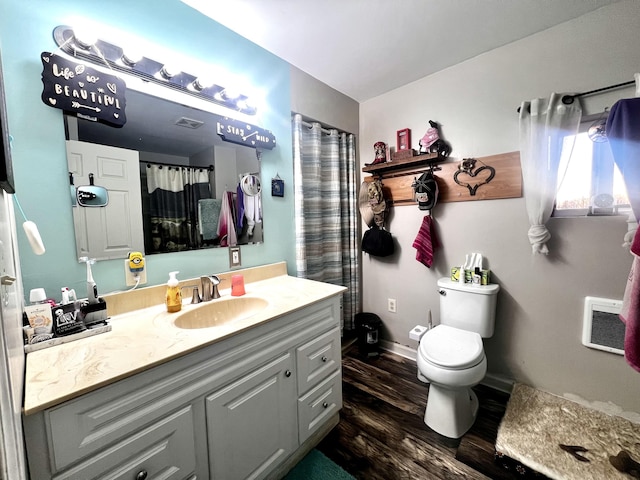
377 242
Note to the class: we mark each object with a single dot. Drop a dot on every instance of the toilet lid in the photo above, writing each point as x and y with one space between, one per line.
451 347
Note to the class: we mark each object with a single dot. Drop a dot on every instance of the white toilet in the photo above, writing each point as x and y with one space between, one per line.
451 355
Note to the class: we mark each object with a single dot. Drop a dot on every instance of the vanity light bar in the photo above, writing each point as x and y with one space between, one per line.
149 70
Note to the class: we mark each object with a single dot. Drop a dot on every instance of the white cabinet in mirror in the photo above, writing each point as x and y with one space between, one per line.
173 183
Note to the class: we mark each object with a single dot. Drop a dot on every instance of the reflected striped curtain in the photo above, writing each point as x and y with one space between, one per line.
325 210
174 192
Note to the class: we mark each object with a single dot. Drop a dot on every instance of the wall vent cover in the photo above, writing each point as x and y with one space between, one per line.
601 326
189 123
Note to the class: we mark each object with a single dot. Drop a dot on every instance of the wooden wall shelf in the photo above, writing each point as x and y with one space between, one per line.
419 161
397 177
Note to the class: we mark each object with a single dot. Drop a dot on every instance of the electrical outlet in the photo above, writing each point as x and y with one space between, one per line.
130 279
391 303
235 259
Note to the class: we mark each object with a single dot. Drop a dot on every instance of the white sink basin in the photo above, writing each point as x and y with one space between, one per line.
219 312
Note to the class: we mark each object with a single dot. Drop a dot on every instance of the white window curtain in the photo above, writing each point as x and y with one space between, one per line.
543 125
326 210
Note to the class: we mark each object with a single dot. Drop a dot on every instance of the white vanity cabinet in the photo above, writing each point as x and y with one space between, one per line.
248 406
251 422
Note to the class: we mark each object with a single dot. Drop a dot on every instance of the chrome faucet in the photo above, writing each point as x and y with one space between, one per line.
209 287
195 295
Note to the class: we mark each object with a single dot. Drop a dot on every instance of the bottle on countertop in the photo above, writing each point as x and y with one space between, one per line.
174 294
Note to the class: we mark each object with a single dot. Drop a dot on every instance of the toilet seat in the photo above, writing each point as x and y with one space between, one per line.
451 348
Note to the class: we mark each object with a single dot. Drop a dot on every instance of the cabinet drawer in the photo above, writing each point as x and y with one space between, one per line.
318 358
86 426
318 405
165 450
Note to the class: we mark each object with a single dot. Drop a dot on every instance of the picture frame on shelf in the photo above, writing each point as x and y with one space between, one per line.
403 139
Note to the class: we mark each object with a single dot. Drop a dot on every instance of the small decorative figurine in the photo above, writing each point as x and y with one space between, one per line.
432 143
380 149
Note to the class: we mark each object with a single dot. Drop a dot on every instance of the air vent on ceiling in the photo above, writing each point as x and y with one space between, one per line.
189 122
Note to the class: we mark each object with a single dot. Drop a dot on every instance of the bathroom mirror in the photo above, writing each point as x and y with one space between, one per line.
166 141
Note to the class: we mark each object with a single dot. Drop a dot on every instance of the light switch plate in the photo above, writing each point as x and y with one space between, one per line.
235 259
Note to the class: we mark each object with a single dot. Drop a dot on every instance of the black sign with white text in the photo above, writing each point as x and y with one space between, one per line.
83 91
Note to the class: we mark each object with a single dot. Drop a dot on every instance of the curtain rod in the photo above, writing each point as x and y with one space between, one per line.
169 165
568 99
322 129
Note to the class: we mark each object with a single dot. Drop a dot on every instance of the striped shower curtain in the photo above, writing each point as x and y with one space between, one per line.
173 207
325 210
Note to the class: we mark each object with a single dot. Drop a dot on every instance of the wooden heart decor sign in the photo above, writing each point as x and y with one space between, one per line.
467 167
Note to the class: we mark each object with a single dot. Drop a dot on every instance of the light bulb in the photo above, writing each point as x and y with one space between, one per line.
168 71
200 83
84 38
130 56
230 93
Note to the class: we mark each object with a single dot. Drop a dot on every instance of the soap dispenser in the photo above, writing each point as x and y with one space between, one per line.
174 294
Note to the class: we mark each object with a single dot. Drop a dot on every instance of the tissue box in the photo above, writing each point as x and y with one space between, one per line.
455 274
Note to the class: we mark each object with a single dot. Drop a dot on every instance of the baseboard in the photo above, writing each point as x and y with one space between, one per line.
402 350
497 382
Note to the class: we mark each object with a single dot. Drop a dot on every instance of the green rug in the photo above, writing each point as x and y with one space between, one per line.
316 466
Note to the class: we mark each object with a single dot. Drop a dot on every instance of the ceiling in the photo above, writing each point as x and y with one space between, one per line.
364 48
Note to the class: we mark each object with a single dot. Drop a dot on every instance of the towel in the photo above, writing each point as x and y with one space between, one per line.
426 241
208 216
240 208
252 212
630 312
226 226
623 133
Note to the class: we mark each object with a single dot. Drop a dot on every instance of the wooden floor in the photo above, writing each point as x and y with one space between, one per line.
382 435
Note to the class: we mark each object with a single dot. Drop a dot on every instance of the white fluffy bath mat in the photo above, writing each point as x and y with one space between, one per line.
536 423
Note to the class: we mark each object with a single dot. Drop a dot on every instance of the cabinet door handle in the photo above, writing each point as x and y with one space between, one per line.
142 474
325 404
324 358
287 373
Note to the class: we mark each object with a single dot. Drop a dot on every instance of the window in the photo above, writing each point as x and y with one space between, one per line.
589 182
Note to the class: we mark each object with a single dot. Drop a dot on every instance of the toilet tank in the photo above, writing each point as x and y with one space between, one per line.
467 306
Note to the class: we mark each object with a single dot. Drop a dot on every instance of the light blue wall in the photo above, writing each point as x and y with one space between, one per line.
39 159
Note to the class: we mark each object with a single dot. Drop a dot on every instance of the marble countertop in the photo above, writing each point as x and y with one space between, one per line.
537 423
146 337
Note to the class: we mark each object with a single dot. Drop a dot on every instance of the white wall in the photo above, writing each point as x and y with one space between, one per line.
539 320
316 100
